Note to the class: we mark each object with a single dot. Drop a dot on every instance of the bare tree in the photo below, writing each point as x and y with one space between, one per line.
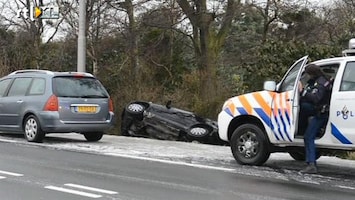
17 16
100 22
210 28
130 30
340 18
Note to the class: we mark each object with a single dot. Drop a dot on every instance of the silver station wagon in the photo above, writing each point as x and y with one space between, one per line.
37 102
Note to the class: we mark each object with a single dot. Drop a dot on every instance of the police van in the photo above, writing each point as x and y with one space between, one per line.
260 123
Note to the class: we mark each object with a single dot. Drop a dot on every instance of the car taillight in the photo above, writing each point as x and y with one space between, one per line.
51 104
110 105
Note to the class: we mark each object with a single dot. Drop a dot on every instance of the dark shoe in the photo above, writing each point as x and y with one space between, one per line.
310 169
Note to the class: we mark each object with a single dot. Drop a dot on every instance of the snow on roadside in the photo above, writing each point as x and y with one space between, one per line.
279 166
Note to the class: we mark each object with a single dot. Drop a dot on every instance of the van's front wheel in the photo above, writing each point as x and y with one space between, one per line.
249 145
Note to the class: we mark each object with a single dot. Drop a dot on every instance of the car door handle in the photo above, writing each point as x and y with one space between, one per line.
19 101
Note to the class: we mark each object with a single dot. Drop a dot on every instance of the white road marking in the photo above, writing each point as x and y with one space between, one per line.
2 177
345 187
90 188
10 173
61 189
309 181
173 162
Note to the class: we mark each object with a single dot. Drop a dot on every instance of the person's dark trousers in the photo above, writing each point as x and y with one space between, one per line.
312 130
306 110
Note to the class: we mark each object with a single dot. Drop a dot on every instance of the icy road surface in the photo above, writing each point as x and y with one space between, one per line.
333 171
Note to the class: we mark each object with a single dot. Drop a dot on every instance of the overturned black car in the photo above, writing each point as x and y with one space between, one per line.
146 119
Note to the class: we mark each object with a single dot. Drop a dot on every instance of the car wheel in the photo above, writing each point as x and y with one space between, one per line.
93 137
32 129
198 131
125 124
249 145
301 156
135 110
124 132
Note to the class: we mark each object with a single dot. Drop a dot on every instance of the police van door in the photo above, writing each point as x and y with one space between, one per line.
342 107
285 105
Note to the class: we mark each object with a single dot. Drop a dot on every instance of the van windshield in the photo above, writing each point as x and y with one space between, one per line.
82 87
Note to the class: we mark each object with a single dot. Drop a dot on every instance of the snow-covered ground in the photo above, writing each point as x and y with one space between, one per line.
334 172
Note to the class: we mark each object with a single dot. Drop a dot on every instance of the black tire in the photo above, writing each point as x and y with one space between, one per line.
124 132
249 145
135 110
32 129
125 124
93 137
301 156
198 131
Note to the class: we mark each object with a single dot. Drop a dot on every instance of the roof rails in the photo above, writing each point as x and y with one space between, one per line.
39 71
32 71
351 50
84 73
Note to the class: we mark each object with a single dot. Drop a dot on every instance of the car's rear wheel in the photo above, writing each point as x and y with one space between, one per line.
125 124
249 145
93 137
198 131
135 110
32 129
301 156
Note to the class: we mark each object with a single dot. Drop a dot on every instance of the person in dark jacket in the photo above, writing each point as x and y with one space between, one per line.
315 100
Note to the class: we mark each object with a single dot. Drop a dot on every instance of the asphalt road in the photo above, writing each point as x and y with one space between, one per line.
29 171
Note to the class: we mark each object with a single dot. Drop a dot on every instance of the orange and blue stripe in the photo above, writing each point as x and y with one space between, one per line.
277 117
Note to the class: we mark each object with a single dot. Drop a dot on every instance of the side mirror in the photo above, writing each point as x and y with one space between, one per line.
270 85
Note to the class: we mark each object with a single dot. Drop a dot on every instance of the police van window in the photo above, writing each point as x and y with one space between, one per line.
330 70
290 79
348 80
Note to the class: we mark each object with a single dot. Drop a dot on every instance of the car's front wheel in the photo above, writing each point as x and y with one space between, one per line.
32 129
93 137
135 110
249 145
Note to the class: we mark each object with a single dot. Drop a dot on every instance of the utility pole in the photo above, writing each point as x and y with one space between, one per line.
82 37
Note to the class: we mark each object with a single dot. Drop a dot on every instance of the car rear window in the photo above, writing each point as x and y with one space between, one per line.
74 86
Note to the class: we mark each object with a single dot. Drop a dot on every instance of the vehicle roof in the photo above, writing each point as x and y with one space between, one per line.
50 73
335 59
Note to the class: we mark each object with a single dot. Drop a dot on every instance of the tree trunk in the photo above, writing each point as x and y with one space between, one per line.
133 45
208 43
35 32
207 62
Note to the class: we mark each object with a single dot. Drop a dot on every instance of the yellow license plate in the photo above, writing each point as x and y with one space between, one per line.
86 109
